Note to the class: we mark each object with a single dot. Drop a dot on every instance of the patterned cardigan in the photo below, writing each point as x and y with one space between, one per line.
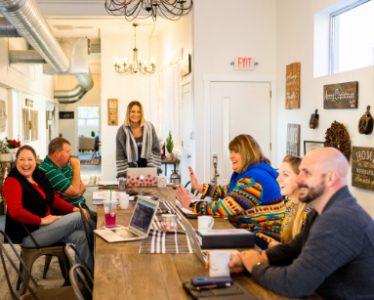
243 207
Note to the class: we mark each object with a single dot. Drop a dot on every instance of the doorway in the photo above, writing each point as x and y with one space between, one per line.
237 107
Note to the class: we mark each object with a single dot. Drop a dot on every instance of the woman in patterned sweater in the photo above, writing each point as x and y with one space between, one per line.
251 200
296 211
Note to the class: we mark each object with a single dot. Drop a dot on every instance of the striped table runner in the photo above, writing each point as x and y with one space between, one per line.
162 242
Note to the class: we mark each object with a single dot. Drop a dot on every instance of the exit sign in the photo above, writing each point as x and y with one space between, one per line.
243 63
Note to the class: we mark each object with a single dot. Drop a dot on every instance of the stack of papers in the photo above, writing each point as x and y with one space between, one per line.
98 197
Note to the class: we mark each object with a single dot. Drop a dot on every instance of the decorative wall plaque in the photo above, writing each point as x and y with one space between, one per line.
112 112
337 136
293 139
293 85
363 167
66 115
340 95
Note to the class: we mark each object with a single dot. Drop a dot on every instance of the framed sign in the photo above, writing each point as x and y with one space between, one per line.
112 112
311 145
293 85
293 139
340 95
66 115
363 167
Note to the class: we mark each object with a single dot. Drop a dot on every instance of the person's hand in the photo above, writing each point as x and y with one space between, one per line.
75 162
235 263
194 182
184 196
273 244
49 219
250 258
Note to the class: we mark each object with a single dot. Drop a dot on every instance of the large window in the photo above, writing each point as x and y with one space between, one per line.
88 120
352 37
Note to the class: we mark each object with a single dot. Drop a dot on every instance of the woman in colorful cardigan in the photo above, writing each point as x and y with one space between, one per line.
251 200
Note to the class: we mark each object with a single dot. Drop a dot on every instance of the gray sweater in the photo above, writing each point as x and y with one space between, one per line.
333 255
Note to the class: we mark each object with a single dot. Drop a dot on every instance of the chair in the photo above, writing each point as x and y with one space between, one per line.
30 254
8 258
74 257
87 226
81 282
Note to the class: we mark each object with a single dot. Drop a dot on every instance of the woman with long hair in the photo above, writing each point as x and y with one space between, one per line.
251 200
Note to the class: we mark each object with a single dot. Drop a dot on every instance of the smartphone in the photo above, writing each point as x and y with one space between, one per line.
219 281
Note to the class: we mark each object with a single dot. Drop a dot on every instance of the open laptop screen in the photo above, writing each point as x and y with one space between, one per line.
143 215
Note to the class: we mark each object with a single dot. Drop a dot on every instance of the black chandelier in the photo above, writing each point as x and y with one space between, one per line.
143 9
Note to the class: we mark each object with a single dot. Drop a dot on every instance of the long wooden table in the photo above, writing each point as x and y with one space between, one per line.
121 272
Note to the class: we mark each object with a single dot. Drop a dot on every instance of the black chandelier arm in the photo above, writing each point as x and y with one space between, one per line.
142 9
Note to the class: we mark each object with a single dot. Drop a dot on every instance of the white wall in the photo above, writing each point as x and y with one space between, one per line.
295 43
220 33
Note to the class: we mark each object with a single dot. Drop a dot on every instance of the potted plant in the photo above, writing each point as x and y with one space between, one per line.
93 133
170 145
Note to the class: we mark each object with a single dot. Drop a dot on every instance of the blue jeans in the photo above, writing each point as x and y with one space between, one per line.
68 229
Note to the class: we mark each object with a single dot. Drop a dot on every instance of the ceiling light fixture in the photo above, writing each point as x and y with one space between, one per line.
143 9
136 66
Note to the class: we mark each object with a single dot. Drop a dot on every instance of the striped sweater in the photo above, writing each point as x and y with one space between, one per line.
245 205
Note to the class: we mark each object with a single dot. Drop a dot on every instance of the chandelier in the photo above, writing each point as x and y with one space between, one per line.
136 66
143 9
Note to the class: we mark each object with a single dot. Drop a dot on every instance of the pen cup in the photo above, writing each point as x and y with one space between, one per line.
169 223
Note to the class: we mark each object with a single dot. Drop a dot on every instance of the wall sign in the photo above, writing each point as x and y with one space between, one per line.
340 95
112 112
293 85
66 115
363 167
293 139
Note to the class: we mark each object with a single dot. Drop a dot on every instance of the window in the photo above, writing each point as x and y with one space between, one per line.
352 37
88 120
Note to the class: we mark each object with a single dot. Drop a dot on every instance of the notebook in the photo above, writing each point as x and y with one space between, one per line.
140 223
141 177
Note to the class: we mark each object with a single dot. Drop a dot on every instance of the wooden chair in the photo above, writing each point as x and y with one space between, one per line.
81 282
31 254
9 262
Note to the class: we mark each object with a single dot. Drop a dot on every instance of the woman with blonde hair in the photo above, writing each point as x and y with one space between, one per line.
251 200
296 211
137 144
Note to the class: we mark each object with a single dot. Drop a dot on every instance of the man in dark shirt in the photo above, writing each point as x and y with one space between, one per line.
334 253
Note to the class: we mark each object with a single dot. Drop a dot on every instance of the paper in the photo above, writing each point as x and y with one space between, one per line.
231 231
98 197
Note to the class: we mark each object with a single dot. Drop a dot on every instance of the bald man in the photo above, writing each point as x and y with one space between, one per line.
334 254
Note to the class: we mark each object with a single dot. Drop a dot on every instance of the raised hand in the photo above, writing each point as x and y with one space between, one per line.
194 182
184 196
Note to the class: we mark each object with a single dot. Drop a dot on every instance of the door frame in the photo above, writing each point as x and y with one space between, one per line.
207 82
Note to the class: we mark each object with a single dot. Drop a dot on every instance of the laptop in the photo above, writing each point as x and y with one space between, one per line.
141 177
140 223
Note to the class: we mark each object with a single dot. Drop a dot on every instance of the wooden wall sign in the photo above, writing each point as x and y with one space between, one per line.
293 85
340 95
66 115
112 112
293 139
363 167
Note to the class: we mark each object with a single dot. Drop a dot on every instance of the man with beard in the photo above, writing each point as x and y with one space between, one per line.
334 253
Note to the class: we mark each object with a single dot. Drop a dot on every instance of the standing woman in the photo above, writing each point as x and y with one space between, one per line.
252 200
137 144
33 203
296 211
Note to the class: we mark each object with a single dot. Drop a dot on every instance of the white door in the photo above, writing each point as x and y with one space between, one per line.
237 108
187 133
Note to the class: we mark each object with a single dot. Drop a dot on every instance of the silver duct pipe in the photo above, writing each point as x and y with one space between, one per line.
25 56
7 30
29 23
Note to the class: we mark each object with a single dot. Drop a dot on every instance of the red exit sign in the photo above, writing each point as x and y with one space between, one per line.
244 63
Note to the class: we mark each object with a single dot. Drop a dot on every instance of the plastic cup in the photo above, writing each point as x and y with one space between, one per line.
110 210
123 198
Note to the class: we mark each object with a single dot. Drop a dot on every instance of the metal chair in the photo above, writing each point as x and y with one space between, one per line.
8 258
87 226
74 257
30 255
81 282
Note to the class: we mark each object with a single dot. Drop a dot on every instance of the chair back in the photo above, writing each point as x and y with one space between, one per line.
81 282
86 226
8 258
74 256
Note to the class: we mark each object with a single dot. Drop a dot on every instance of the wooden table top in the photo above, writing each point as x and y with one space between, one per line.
121 272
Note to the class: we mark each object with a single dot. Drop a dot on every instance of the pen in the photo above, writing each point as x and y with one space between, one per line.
212 286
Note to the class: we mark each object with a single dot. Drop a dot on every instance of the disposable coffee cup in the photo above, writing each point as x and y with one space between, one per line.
123 198
219 263
169 222
205 222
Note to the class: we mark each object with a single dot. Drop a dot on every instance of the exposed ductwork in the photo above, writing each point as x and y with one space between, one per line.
30 24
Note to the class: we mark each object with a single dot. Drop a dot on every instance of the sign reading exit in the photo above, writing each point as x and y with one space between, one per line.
244 63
